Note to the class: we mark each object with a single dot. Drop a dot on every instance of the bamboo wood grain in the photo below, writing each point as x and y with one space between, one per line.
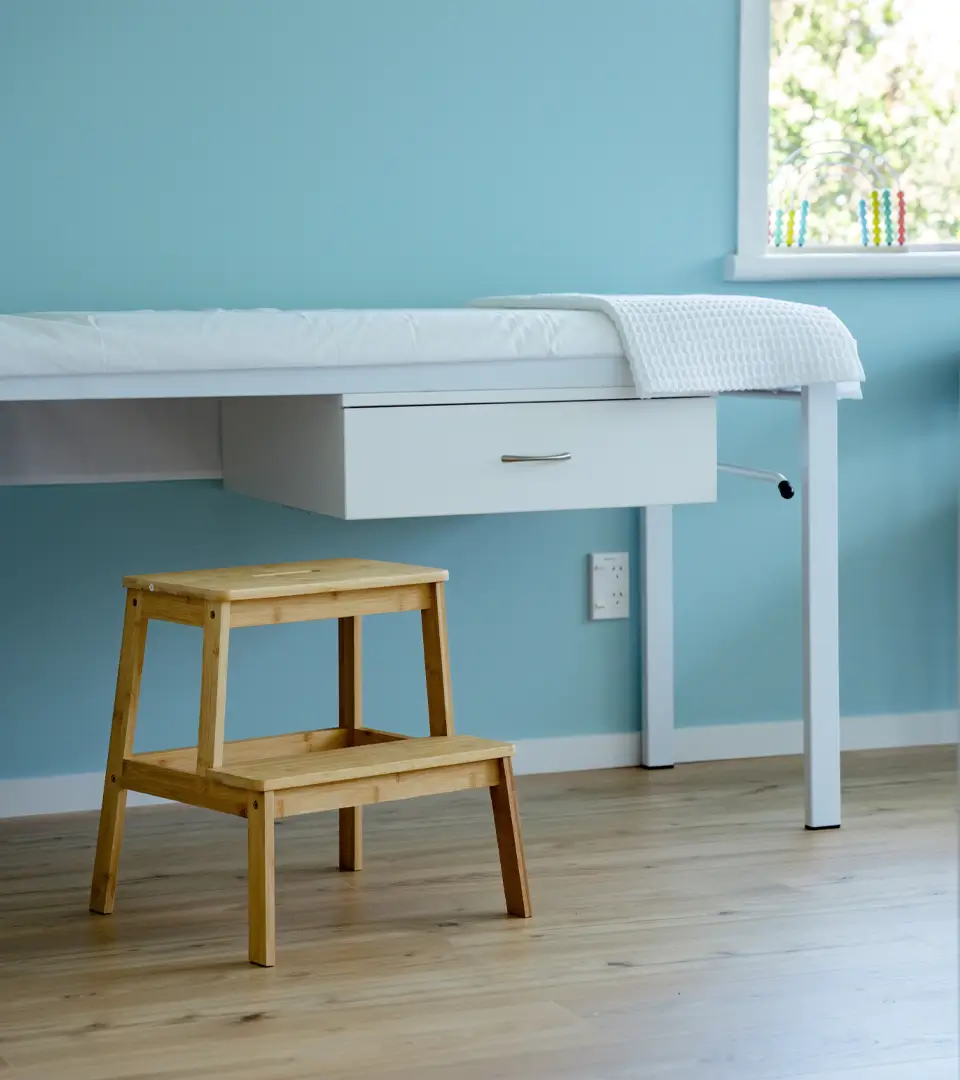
194 789
367 736
350 704
123 726
213 686
506 819
286 775
175 609
268 611
285 579
239 751
359 762
387 787
437 663
261 873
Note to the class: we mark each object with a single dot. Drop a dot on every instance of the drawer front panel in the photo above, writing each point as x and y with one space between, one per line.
424 461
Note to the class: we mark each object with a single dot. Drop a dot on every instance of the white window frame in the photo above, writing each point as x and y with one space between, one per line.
753 260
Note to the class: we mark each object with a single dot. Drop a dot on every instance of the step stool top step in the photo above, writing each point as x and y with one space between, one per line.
285 579
360 762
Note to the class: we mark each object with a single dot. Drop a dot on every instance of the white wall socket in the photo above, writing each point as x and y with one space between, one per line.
610 585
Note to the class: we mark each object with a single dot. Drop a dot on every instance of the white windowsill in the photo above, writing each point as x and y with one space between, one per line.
820 265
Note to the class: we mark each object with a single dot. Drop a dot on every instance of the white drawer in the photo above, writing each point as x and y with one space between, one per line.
433 460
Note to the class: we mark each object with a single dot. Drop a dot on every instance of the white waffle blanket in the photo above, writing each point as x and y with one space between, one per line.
682 345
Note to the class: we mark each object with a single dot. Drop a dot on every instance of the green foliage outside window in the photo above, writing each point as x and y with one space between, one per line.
885 73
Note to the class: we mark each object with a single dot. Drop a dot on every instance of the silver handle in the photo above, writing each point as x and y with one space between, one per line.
510 458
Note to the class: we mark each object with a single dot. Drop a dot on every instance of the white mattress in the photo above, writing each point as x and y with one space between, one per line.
122 343
166 354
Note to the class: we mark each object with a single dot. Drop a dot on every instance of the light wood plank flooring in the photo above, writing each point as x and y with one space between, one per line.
685 926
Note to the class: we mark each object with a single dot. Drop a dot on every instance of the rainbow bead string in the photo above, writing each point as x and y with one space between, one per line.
888 217
788 227
878 225
882 217
807 175
864 228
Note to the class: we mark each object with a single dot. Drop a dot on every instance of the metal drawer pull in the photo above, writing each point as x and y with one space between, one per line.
510 458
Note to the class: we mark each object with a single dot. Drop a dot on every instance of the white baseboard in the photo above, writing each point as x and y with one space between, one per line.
571 753
58 795
575 753
728 741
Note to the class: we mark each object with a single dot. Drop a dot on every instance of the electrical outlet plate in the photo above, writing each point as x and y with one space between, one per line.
610 585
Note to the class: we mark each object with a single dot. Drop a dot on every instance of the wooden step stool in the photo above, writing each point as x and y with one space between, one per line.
339 768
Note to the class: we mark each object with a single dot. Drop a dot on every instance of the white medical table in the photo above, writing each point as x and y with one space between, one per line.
411 414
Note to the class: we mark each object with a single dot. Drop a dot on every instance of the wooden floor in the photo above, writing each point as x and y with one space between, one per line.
685 927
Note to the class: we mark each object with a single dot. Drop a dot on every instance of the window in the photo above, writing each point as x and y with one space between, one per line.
849 139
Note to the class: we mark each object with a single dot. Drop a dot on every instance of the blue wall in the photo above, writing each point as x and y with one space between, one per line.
307 153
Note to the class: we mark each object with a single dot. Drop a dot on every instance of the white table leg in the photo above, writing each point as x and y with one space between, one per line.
656 554
821 632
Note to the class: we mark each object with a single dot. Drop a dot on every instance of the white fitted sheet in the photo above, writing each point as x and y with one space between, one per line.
152 342
165 354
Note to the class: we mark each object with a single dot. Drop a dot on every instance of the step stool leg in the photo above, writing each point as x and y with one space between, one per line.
261 872
351 717
436 663
103 888
506 820
213 686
